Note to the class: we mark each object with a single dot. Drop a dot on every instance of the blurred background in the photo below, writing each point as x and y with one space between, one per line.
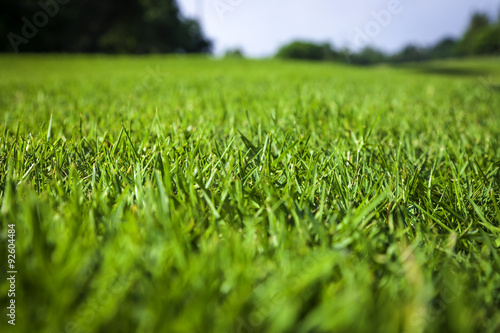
358 31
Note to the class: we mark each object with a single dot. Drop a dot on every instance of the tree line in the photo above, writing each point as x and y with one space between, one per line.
157 26
482 37
111 26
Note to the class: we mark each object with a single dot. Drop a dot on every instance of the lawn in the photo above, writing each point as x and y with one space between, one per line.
187 194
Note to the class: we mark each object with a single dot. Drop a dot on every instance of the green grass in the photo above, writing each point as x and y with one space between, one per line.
250 196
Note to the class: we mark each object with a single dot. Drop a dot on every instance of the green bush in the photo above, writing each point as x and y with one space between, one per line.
368 56
306 51
411 53
234 53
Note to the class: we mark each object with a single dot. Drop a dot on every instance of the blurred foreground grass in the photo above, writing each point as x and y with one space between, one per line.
171 194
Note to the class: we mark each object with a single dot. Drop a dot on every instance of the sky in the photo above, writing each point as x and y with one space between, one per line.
259 27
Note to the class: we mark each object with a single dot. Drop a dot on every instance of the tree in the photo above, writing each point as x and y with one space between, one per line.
478 24
446 48
112 26
487 41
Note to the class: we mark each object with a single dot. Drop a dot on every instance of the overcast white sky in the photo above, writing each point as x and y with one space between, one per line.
259 27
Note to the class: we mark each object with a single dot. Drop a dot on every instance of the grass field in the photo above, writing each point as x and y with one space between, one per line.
171 194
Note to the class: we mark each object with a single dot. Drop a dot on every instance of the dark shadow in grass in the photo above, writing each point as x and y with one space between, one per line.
495 87
442 70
